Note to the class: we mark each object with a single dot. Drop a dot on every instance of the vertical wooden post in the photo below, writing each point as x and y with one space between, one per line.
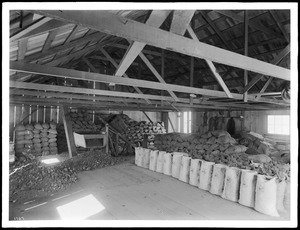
69 133
164 118
162 70
246 52
106 139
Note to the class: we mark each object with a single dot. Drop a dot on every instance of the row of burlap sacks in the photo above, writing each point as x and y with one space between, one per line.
36 139
267 195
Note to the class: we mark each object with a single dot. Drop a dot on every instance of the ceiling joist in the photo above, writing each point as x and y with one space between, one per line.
129 29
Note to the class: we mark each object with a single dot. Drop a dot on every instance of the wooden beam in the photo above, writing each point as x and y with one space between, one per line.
46 27
29 28
219 78
16 23
213 68
246 22
156 18
215 28
49 40
119 26
255 25
77 93
110 105
192 67
116 66
73 96
147 117
181 19
96 71
22 49
277 21
69 133
75 74
55 50
157 75
54 88
275 61
264 88
72 34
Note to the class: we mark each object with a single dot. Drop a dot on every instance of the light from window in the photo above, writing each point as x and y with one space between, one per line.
279 124
187 122
179 121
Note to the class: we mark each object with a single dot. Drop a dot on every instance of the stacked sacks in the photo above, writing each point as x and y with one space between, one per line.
23 139
195 144
82 120
61 138
45 140
52 136
19 138
37 138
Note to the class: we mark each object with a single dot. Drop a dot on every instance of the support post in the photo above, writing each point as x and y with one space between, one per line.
106 139
69 133
162 70
246 53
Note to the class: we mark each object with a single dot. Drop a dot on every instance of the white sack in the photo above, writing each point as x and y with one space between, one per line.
217 179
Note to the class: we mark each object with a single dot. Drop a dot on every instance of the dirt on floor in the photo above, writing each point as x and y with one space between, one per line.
33 178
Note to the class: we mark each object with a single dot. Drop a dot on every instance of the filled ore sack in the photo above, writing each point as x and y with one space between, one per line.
20 133
219 133
51 136
194 172
43 134
53 125
44 139
266 195
184 169
53 144
20 127
176 162
259 158
20 136
36 131
153 159
52 131
217 179
232 184
281 187
138 156
236 149
247 188
287 194
38 126
37 136
45 144
45 125
167 169
29 127
205 175
145 158
226 140
44 131
36 140
52 140
160 162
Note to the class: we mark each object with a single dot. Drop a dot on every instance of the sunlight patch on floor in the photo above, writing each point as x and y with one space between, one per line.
80 209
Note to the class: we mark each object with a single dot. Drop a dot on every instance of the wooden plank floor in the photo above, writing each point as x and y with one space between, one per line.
129 192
